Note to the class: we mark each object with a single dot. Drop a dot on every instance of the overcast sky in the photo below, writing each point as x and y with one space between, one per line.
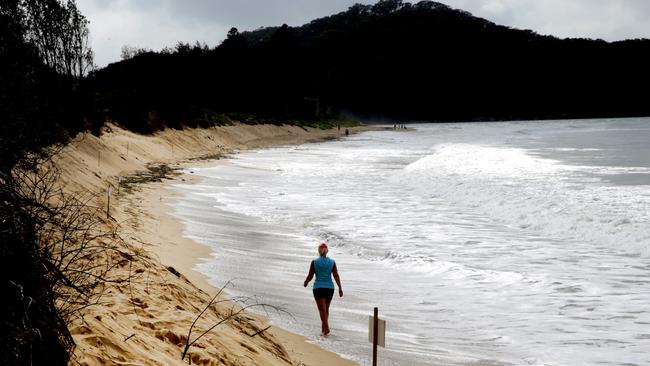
158 23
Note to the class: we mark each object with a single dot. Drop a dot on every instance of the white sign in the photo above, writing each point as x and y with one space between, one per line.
381 331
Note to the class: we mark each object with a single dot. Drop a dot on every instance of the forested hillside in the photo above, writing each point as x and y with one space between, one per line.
423 61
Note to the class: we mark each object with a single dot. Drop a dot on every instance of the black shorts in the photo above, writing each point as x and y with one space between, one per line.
323 293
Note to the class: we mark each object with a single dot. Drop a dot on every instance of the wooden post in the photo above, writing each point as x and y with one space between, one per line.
375 336
108 203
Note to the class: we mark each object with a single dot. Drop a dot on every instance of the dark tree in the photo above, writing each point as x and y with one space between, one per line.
385 7
129 52
43 53
234 42
60 33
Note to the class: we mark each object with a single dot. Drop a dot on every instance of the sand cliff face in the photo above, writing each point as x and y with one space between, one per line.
146 320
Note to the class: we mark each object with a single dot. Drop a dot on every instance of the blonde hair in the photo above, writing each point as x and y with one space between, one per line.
322 251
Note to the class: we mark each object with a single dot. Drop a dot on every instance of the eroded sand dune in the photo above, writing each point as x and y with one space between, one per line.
146 321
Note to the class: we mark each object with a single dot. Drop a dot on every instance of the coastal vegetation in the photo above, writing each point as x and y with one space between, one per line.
405 61
46 236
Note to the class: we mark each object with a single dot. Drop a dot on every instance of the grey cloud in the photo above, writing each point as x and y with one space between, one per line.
245 14
607 19
158 23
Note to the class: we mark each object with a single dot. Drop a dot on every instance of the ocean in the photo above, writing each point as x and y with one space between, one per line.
500 243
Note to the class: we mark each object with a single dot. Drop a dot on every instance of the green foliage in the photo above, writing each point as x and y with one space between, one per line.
211 118
246 118
329 123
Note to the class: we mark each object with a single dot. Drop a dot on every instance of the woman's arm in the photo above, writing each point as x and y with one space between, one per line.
311 274
335 272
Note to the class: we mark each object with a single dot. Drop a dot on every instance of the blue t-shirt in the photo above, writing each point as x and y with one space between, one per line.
323 268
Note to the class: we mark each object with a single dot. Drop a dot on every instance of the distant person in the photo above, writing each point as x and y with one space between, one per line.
347 132
324 268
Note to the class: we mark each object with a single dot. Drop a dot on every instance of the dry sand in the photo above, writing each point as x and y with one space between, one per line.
146 322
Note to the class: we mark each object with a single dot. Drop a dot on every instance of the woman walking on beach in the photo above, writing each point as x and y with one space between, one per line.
324 268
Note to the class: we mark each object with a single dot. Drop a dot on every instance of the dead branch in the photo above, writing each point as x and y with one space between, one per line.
239 305
259 331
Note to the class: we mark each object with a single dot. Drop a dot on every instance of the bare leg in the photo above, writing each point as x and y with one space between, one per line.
322 310
327 314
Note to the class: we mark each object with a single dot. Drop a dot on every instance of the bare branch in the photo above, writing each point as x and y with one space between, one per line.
189 332
239 305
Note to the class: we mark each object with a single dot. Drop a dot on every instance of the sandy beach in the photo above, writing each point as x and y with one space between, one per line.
146 321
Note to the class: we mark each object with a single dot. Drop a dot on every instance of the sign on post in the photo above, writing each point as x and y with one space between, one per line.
376 334
381 333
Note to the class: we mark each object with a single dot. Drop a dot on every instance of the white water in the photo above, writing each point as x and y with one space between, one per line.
524 243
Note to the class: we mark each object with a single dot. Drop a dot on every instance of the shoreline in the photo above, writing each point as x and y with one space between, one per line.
184 254
148 214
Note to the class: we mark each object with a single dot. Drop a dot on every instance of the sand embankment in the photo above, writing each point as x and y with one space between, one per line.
146 321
